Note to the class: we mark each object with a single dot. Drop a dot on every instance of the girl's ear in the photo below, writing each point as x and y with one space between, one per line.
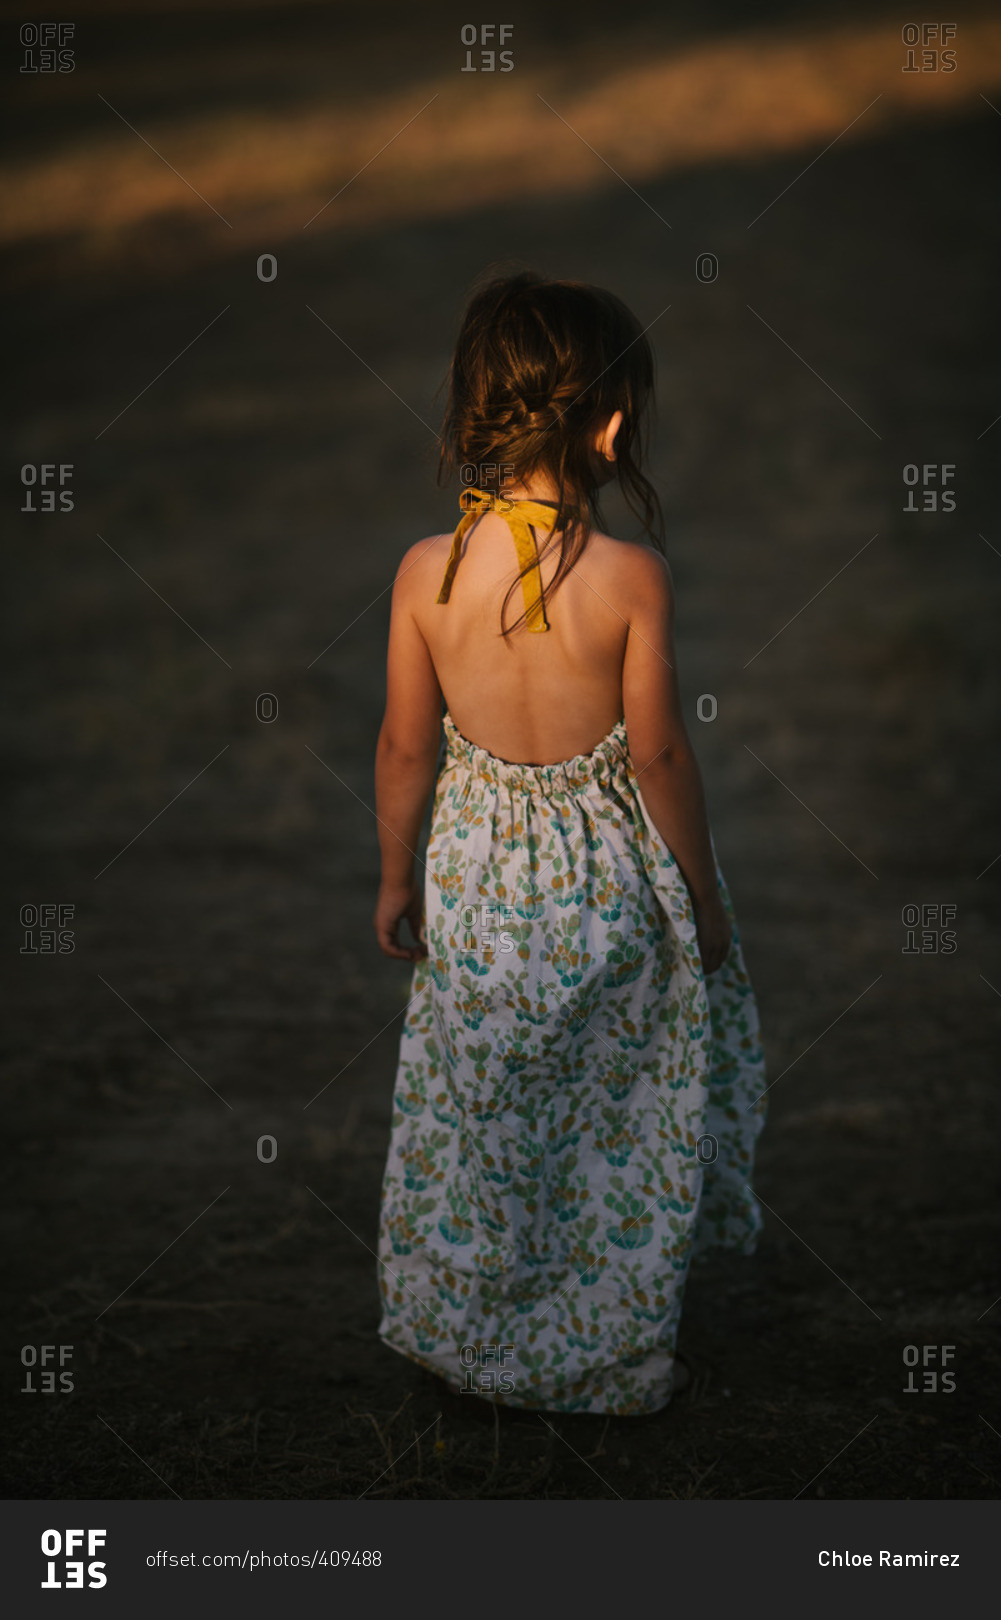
606 440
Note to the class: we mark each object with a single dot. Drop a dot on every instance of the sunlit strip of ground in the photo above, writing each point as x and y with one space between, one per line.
487 139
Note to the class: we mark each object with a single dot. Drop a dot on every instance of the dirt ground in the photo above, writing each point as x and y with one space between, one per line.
224 983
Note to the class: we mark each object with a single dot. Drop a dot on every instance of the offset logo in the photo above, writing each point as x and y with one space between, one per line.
64 1568
40 1376
487 36
935 1358
929 47
38 479
47 47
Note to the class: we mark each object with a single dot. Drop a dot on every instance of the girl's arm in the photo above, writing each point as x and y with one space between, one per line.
405 760
668 775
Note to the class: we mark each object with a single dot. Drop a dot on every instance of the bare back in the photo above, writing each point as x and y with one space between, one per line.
526 697
536 699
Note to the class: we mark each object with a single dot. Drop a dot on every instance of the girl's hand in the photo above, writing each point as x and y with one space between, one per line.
714 932
396 903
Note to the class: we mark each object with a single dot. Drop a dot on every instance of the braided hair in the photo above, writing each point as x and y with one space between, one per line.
539 368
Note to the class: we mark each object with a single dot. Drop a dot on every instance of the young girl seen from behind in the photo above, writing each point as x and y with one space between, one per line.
580 1072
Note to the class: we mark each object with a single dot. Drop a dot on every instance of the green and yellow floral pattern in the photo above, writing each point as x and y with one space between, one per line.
576 1105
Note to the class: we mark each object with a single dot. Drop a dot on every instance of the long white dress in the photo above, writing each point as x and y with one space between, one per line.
576 1105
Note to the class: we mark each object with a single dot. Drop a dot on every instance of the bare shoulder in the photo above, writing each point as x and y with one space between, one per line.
637 574
419 561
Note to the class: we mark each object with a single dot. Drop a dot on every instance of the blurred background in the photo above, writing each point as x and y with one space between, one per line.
237 241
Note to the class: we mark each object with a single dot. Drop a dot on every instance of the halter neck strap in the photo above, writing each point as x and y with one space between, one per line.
521 517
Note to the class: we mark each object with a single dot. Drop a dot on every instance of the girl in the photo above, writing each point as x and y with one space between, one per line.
580 1071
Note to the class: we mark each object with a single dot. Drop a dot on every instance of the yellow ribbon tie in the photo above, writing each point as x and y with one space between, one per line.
521 517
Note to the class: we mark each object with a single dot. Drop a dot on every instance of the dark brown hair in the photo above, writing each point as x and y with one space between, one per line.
539 368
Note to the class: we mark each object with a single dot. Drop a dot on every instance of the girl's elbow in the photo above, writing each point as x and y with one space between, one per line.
406 752
666 762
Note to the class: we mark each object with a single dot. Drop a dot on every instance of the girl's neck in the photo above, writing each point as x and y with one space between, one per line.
533 489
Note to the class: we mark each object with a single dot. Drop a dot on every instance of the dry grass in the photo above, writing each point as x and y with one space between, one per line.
486 141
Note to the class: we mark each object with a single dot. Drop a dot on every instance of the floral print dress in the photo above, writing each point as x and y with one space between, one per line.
576 1105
